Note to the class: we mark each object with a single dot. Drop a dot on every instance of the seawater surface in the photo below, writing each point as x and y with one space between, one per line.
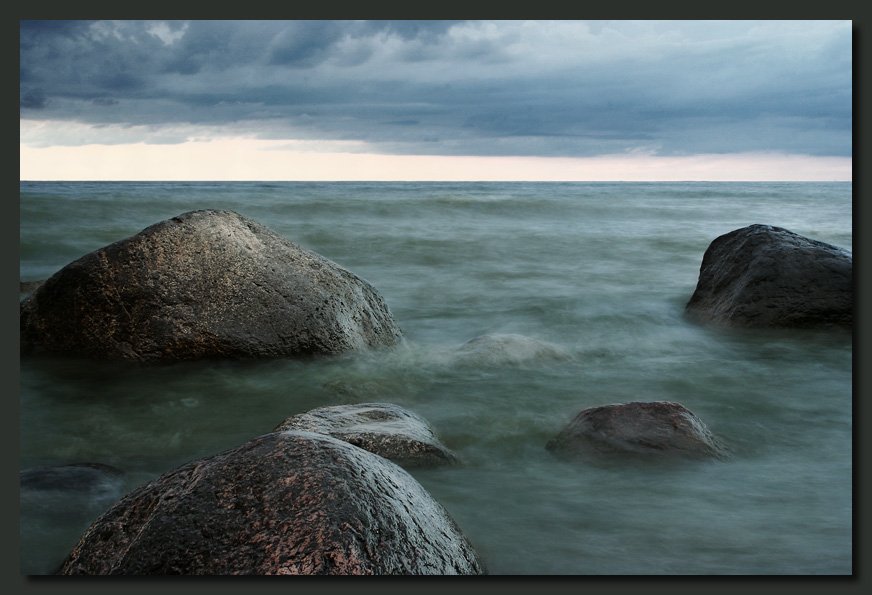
598 272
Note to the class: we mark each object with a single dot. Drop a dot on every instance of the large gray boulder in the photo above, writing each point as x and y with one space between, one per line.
205 284
385 429
763 276
282 503
659 428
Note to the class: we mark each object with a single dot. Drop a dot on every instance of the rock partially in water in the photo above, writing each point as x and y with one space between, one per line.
56 504
508 350
282 503
637 428
77 477
205 284
28 287
768 277
385 429
56 496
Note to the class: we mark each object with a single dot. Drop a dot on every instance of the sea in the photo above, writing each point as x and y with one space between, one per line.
584 286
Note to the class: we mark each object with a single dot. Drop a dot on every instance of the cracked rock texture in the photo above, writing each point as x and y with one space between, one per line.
640 428
768 277
382 428
282 503
205 284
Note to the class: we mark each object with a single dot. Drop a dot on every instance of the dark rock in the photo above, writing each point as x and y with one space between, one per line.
381 428
59 495
658 427
763 276
205 284
75 477
56 504
283 503
29 286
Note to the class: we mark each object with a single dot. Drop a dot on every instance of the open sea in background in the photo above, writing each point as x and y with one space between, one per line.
599 271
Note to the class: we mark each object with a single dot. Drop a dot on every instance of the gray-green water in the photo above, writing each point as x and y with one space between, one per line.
600 272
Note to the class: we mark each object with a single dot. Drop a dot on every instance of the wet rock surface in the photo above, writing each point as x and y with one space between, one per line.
385 429
637 428
205 284
282 503
768 277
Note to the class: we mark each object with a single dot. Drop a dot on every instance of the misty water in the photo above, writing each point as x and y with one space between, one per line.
598 272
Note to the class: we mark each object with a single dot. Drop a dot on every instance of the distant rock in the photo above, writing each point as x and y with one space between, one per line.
638 428
381 428
768 277
205 284
283 503
508 350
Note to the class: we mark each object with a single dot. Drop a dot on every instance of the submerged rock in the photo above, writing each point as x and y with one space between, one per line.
56 504
658 427
763 276
204 284
76 477
508 349
283 503
381 428
28 287
57 497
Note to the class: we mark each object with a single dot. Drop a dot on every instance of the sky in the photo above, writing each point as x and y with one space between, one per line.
436 100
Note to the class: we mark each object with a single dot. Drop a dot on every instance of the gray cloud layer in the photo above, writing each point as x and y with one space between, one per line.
456 88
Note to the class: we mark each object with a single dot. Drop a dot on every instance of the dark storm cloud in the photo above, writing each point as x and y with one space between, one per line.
447 87
408 29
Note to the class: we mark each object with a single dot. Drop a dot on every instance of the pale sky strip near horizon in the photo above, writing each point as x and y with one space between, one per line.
436 100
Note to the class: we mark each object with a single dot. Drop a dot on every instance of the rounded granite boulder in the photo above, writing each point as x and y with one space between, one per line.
385 429
638 428
768 277
205 284
282 503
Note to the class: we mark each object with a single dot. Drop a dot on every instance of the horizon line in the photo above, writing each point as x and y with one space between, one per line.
361 181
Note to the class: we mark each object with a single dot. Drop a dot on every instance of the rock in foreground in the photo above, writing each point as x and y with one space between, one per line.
283 503
200 285
768 277
381 428
657 427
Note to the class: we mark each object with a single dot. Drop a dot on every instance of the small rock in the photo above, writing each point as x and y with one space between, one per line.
657 427
28 287
508 350
75 477
381 428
